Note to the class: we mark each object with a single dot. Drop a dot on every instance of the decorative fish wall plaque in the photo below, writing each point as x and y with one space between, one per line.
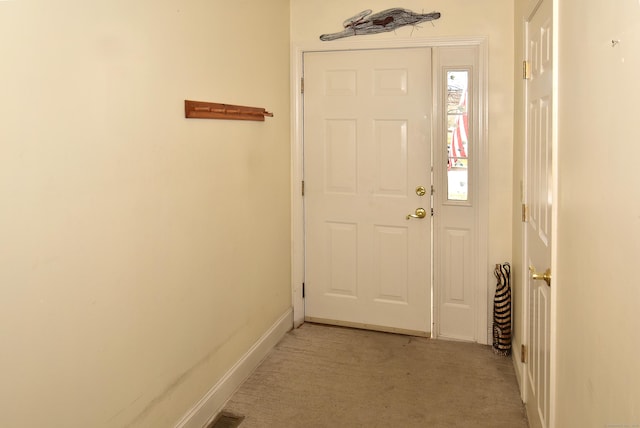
381 22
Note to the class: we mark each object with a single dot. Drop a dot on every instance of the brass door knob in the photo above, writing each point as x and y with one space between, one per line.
420 213
546 276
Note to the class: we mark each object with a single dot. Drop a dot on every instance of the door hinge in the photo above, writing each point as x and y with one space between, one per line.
432 190
303 290
526 70
431 212
302 85
525 213
523 353
302 187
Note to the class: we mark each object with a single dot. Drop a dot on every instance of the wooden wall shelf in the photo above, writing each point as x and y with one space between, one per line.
205 110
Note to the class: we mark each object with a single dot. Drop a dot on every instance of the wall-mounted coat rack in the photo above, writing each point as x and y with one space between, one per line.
204 110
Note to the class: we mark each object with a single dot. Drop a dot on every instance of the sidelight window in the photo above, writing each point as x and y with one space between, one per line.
457 120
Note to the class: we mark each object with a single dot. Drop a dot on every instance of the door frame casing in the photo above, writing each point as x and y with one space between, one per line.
297 162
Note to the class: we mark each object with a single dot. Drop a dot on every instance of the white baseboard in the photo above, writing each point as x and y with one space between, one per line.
212 403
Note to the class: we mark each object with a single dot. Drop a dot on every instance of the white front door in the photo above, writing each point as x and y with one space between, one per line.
367 147
539 200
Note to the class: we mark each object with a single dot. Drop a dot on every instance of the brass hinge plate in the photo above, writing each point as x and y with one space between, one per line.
526 70
524 213
302 187
523 354
302 85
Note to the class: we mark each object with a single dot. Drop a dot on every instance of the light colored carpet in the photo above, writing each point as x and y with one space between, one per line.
322 376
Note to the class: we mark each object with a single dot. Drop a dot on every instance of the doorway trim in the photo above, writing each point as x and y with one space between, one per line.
297 173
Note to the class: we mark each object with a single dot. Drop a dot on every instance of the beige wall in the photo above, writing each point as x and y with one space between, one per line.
459 18
598 339
141 254
598 292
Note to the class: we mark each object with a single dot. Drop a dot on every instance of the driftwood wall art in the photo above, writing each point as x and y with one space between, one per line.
205 110
381 22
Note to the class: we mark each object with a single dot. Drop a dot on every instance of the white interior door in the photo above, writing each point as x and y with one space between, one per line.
367 147
539 200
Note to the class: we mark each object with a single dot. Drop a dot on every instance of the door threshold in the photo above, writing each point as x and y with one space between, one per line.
363 326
